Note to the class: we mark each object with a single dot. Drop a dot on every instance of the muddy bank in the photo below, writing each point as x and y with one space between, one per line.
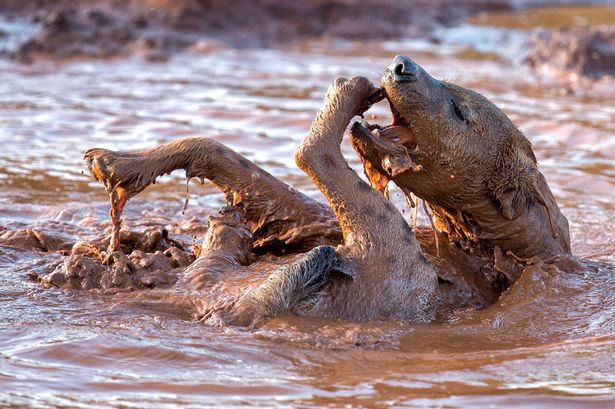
157 29
585 51
576 60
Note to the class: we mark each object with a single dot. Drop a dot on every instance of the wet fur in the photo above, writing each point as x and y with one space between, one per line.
281 219
394 279
390 277
478 172
290 287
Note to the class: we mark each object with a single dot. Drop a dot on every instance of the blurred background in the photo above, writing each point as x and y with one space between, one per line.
131 74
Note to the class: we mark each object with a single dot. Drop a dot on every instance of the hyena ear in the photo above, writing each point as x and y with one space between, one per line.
514 188
513 184
511 201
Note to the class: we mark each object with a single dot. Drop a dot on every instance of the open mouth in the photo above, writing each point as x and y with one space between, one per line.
399 131
384 150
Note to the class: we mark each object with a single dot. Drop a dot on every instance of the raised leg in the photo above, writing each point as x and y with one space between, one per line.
227 248
280 218
393 278
366 218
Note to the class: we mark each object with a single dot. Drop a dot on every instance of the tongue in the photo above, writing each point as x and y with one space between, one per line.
400 135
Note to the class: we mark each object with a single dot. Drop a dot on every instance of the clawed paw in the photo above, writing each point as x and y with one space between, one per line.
100 164
119 169
351 96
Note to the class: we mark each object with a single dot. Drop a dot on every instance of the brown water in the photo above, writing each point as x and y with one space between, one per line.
549 342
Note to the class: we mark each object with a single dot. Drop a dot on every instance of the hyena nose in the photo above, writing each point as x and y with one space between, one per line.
404 69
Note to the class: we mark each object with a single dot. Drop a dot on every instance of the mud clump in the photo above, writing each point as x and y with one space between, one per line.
146 260
585 51
35 239
63 33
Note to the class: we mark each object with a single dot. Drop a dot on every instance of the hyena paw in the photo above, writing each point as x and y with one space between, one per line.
350 97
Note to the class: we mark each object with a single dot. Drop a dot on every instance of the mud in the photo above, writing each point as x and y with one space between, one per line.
147 259
584 51
157 29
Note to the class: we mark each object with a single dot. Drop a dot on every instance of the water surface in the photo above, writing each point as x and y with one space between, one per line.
549 343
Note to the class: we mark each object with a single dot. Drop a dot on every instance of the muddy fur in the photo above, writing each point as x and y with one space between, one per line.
478 171
281 219
293 286
394 279
390 276
226 251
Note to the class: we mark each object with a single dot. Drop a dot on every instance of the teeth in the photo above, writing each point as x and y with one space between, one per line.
371 127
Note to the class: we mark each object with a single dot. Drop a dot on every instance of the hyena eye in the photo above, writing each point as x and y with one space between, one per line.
458 112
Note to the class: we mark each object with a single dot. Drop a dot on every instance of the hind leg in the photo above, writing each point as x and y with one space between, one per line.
280 218
289 289
226 250
227 246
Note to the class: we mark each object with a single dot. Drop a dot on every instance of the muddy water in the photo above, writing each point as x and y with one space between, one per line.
549 342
